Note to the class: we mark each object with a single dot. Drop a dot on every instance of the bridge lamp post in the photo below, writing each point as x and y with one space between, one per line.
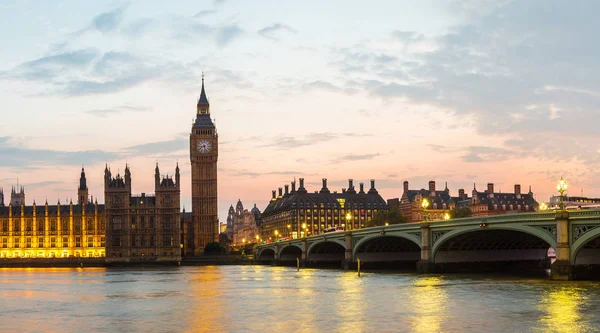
348 218
446 216
257 239
425 205
543 206
276 233
561 187
304 229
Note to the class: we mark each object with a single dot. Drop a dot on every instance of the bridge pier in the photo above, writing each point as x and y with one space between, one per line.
562 268
347 264
275 261
425 265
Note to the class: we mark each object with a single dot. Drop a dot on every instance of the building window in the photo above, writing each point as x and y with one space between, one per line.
52 241
90 224
53 225
102 225
28 242
102 241
5 226
133 222
134 240
64 225
40 225
65 241
40 242
152 226
77 225
17 226
90 241
116 223
152 241
77 241
142 222
29 225
4 242
116 241
143 243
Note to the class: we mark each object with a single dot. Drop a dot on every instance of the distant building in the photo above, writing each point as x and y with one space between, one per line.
440 202
573 202
297 213
50 231
242 225
490 202
143 226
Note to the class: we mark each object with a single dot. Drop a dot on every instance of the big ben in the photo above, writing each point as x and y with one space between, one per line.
204 151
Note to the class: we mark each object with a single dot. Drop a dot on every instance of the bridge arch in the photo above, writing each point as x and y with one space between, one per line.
579 245
492 244
267 254
342 243
287 248
364 240
330 251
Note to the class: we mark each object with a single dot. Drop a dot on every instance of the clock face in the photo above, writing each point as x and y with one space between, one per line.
204 146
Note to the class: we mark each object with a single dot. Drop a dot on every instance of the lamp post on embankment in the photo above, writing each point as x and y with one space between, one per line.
562 268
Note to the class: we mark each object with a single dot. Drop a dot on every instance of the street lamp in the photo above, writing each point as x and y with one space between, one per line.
543 206
276 233
304 228
561 187
446 216
348 218
424 204
257 239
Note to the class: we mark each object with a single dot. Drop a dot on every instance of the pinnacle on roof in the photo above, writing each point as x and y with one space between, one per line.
203 101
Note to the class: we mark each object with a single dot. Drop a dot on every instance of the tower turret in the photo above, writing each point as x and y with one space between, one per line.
127 176
156 176
177 176
82 191
1 196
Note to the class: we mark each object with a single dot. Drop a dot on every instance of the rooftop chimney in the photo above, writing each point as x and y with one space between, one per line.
461 194
274 194
517 189
287 189
373 190
301 188
490 188
362 188
431 186
405 186
280 192
293 186
324 189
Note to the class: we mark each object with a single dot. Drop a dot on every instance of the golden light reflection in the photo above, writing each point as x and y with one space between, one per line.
351 309
429 302
562 310
207 313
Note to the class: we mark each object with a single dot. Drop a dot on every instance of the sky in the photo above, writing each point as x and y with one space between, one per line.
463 92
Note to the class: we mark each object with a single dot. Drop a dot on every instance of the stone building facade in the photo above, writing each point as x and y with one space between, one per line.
142 227
242 224
52 231
298 213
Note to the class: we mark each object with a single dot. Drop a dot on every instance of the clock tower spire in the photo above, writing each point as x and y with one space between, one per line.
204 151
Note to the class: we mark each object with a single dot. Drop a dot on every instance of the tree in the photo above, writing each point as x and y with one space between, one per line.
214 248
459 212
392 216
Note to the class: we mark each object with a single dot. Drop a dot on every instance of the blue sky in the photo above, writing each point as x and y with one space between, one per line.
459 91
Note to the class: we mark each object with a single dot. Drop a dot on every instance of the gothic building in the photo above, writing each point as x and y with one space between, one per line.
298 213
243 225
50 231
204 152
145 226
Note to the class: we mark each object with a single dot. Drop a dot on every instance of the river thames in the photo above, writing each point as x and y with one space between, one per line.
280 299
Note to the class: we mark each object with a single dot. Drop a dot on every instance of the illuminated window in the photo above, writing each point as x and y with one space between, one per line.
65 241
28 242
52 241
90 224
40 225
77 241
4 242
5 225
29 225
17 226
90 241
102 241
40 242
17 242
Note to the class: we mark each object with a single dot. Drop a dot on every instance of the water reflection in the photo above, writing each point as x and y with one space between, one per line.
562 306
429 304
279 299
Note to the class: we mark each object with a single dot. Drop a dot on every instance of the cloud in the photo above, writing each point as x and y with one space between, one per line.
18 156
52 66
227 34
158 147
353 157
271 32
103 113
204 13
109 21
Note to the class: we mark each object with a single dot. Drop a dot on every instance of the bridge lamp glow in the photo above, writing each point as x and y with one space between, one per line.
543 206
561 187
425 203
446 216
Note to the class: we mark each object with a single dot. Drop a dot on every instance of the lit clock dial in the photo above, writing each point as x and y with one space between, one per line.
204 146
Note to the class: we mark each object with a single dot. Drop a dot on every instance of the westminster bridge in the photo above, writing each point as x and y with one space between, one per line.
511 241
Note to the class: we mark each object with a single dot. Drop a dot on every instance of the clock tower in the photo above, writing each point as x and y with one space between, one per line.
204 151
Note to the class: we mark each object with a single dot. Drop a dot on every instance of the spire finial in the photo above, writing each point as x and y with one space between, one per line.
202 77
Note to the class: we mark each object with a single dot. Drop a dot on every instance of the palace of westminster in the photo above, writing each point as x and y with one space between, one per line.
126 227
129 228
